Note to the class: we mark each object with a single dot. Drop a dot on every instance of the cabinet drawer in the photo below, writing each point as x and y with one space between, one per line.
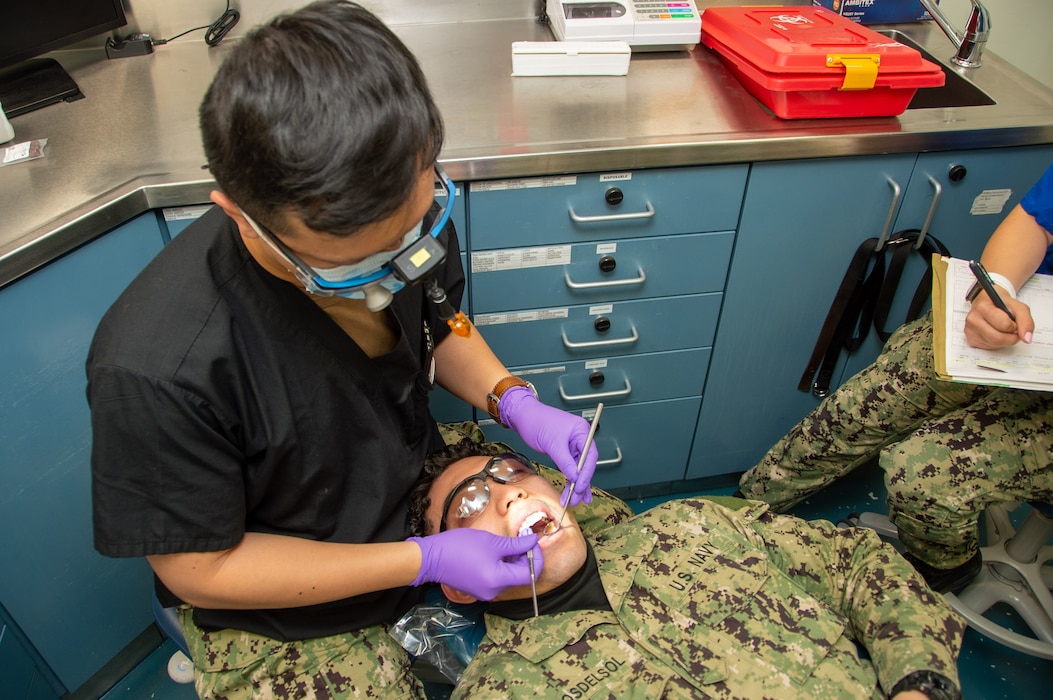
601 330
638 444
588 273
544 210
620 380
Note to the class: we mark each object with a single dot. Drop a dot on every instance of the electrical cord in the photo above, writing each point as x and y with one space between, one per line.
215 32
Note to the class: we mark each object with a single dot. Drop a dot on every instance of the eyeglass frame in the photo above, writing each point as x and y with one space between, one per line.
482 475
322 287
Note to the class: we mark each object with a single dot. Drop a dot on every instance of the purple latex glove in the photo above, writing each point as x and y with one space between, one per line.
477 562
558 434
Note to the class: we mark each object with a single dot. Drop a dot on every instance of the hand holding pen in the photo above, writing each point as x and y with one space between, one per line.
990 332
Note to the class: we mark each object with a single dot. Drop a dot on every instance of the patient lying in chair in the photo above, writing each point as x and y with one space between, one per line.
693 598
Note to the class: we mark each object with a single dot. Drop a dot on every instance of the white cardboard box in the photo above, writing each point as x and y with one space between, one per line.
536 58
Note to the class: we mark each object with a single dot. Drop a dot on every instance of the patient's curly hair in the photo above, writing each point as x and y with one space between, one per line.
435 464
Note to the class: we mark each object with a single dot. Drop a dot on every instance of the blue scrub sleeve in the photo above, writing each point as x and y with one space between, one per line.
1038 202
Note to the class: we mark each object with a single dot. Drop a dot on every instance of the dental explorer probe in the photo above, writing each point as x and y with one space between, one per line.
530 559
581 460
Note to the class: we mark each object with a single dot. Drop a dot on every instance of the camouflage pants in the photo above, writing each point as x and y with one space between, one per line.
948 450
236 665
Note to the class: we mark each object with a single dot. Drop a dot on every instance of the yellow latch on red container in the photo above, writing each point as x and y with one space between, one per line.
861 69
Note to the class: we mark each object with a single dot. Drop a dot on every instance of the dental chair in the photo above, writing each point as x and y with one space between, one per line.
180 667
1016 571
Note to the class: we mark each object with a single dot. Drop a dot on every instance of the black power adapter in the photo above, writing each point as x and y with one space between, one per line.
135 45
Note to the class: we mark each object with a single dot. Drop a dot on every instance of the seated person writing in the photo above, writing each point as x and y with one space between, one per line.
949 450
690 599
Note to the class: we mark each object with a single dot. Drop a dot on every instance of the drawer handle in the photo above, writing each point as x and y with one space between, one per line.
611 217
937 190
639 279
576 345
600 395
613 462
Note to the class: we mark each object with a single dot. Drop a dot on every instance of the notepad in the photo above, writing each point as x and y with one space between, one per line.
1023 366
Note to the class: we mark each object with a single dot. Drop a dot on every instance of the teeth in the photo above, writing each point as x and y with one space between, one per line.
551 527
528 524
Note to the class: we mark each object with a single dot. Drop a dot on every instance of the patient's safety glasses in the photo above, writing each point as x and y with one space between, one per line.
470 497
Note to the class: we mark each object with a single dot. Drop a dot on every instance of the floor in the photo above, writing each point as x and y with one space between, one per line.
988 671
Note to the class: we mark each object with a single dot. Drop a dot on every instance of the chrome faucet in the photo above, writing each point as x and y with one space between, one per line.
971 42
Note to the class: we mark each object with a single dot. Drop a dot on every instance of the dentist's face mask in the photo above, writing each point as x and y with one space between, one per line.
372 278
366 269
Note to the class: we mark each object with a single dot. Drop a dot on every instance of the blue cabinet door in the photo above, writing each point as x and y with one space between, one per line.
533 336
23 675
591 273
801 223
76 607
561 209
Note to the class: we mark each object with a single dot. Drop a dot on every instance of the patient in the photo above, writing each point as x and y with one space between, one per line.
690 599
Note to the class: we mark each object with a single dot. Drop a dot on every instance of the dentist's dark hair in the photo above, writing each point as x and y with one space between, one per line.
323 112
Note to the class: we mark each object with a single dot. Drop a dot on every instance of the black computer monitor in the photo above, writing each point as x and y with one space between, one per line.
30 28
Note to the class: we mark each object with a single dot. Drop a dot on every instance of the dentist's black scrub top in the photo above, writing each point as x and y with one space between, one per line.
224 400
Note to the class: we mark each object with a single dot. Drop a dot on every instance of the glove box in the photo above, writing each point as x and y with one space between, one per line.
808 62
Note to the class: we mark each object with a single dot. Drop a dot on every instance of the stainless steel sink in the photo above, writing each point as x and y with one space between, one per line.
956 91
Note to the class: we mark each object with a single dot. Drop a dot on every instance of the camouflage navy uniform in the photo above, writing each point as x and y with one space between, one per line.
711 602
948 449
365 663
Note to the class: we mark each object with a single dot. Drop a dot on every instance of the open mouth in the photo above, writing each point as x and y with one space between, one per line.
539 523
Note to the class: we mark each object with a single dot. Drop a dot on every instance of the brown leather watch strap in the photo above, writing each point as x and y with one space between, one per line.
493 399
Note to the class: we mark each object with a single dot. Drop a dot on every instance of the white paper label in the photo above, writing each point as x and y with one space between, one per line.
184 213
520 258
528 183
520 316
990 202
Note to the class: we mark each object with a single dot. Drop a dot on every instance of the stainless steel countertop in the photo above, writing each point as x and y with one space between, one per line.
133 144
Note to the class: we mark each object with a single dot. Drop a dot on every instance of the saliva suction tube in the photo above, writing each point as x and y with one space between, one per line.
456 320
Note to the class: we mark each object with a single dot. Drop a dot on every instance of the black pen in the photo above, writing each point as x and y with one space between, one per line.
988 286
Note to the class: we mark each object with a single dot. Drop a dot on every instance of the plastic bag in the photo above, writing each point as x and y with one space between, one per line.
443 634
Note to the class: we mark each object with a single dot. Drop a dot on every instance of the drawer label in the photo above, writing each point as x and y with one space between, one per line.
520 316
184 213
520 258
990 202
558 369
616 177
527 183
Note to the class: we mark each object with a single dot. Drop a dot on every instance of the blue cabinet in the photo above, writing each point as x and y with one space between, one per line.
801 223
23 675
607 288
76 607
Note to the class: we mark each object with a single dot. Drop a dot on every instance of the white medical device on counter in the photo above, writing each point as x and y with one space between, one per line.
646 25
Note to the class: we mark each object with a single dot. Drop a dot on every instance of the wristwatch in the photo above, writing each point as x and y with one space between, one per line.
934 685
493 399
